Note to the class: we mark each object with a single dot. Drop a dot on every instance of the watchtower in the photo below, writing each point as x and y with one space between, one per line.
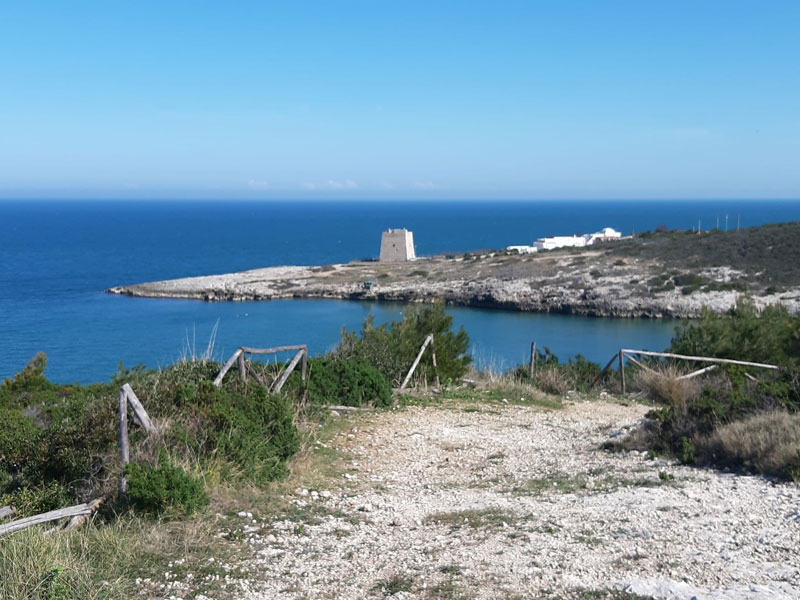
397 245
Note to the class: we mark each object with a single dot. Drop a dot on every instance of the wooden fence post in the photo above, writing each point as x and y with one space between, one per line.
138 410
242 368
427 341
300 354
124 449
532 366
226 367
435 368
622 369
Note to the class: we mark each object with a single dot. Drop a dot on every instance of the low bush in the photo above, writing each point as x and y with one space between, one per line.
689 279
769 336
58 444
353 382
155 489
766 443
247 427
553 377
661 385
730 417
392 348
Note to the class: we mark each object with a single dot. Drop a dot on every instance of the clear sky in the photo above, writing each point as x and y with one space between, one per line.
379 99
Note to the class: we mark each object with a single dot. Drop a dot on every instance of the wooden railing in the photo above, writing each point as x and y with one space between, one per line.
244 367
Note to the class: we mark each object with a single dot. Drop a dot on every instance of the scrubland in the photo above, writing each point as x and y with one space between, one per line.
493 485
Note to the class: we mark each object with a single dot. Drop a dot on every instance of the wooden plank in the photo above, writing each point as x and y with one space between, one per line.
53 515
251 370
79 520
416 361
289 370
7 511
622 370
247 350
702 359
138 410
124 449
226 367
600 374
638 364
696 373
532 366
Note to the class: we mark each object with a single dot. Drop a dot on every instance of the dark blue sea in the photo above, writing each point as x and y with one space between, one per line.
57 257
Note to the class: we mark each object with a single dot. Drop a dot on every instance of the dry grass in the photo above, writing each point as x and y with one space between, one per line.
663 386
92 562
768 443
553 380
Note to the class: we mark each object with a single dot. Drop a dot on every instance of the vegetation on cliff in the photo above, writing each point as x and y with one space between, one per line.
736 416
768 256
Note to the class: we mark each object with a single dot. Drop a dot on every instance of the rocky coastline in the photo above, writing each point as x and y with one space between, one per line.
588 283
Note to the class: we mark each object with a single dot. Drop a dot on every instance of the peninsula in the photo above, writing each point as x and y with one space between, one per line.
664 274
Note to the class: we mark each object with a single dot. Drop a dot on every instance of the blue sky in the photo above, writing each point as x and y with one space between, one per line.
560 99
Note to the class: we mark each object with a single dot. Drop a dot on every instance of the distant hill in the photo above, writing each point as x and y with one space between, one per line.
768 255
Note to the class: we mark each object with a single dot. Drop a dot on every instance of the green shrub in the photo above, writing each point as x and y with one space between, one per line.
54 440
553 377
352 382
154 489
688 279
392 348
30 379
687 451
771 336
251 429
61 441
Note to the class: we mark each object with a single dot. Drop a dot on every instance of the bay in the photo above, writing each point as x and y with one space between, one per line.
57 257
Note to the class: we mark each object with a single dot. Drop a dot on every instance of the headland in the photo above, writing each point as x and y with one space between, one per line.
658 275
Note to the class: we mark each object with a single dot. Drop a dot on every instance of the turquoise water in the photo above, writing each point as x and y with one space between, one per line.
56 258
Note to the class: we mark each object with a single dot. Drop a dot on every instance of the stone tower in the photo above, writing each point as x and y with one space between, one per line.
397 245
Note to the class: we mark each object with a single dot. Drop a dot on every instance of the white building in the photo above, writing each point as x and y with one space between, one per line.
569 241
522 249
607 234
560 241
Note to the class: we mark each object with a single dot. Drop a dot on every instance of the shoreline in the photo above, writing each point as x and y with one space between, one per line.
554 282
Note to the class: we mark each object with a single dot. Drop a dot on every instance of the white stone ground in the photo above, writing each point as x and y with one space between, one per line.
555 515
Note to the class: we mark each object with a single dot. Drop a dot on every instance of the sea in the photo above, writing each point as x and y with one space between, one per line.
58 257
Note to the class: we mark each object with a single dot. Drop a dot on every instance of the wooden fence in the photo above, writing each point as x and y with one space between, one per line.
244 367
627 354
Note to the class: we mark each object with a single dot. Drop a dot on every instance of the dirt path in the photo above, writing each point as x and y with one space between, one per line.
518 502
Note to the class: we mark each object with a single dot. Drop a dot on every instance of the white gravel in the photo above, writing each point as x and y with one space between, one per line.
552 515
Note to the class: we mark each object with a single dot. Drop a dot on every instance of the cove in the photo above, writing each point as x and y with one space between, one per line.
158 332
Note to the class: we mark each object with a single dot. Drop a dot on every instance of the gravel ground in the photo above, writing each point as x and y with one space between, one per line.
519 502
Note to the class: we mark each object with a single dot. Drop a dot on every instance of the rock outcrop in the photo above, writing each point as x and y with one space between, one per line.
586 283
